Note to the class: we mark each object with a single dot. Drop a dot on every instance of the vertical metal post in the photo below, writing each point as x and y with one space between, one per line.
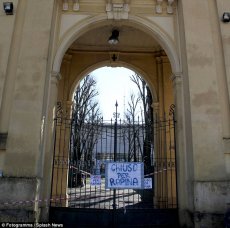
115 159
115 134
115 152
172 113
175 148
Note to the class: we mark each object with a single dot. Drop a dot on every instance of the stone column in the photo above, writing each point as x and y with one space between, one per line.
49 136
62 136
11 72
157 181
60 166
66 65
184 160
168 99
155 107
160 79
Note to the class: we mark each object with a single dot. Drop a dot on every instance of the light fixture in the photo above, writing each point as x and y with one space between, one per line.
113 39
8 8
226 17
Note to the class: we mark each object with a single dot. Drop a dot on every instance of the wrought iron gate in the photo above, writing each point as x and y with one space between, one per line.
79 195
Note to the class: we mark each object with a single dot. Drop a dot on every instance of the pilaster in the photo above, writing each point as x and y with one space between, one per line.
55 77
160 79
11 72
155 107
184 161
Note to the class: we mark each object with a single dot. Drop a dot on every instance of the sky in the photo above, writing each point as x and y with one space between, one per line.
114 84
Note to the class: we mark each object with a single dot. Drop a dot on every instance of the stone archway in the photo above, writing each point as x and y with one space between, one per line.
168 45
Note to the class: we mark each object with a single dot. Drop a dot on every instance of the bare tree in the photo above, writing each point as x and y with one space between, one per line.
147 115
86 122
132 129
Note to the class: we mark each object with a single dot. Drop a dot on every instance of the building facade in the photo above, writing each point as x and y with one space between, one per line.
180 47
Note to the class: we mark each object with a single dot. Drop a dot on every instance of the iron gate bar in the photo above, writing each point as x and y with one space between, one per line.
115 153
172 114
115 159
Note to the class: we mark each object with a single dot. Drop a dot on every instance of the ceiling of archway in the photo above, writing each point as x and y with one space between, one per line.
130 40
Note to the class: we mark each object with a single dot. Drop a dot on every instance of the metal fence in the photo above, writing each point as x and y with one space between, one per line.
76 161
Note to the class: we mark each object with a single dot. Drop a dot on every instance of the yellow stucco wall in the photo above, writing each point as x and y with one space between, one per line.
197 77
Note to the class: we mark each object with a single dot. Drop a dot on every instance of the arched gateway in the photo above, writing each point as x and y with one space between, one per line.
181 50
148 46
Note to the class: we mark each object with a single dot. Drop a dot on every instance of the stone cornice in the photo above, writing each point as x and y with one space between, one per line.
158 60
162 59
67 57
55 77
176 78
120 9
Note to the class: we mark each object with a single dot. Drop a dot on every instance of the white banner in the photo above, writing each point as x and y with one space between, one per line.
124 175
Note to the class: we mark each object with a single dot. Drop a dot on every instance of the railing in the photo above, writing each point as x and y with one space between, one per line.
71 186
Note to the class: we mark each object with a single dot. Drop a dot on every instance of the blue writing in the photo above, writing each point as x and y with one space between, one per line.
124 167
123 182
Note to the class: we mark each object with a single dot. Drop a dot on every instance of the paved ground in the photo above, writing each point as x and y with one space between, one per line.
99 197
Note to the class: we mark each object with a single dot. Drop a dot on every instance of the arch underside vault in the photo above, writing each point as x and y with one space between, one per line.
100 25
